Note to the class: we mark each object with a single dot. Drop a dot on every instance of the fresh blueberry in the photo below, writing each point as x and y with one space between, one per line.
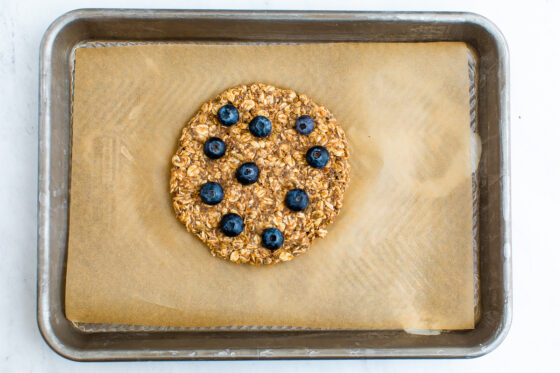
272 238
232 225
228 115
211 193
247 173
305 125
317 157
214 148
260 126
296 200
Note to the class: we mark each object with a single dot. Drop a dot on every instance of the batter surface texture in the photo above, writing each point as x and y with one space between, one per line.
281 159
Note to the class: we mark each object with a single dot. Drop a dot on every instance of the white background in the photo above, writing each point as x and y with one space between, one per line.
532 31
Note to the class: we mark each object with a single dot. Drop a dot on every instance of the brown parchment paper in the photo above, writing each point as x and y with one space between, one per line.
399 255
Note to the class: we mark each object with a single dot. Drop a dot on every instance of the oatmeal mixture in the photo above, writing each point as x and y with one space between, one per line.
259 174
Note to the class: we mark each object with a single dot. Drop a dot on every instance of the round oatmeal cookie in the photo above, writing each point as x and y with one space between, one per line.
259 174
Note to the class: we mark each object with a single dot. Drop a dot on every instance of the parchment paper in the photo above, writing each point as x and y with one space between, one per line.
399 255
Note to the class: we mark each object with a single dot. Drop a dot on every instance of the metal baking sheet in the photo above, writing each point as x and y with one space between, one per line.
492 182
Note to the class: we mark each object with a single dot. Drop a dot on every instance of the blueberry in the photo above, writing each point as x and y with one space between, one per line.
228 115
211 193
232 225
214 148
317 157
247 173
305 125
296 200
260 126
272 238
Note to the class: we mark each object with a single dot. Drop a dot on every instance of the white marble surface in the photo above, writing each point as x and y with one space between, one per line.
532 31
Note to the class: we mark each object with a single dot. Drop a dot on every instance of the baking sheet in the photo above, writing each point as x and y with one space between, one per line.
399 255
